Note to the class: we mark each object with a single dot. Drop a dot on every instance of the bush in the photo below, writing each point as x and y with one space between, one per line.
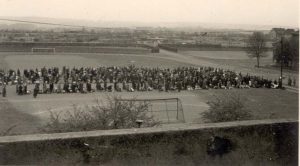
115 114
7 131
226 107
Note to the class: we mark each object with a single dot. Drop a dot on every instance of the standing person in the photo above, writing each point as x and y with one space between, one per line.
80 87
250 83
20 90
167 85
17 88
66 87
51 87
73 87
88 86
115 85
4 90
105 85
44 87
98 85
294 82
179 86
289 81
133 85
25 88
35 91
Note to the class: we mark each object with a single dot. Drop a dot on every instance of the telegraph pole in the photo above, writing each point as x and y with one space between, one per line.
281 63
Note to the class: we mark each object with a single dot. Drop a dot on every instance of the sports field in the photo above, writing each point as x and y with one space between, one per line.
29 113
240 62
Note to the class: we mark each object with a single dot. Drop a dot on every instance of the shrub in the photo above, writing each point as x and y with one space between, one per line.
114 114
226 107
7 131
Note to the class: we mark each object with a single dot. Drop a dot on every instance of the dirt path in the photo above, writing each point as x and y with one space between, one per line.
20 122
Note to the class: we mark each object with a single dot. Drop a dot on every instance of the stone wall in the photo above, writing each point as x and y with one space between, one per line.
257 142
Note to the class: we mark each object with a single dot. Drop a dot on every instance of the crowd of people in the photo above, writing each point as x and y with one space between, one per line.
128 78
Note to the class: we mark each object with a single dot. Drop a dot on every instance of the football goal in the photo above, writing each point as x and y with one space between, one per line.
43 50
167 110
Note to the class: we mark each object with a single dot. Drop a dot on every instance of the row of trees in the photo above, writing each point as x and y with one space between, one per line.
286 50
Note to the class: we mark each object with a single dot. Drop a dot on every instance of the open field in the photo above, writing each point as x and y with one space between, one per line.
239 62
224 54
75 47
28 60
26 112
29 113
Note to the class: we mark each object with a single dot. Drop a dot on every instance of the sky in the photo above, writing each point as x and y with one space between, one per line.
256 12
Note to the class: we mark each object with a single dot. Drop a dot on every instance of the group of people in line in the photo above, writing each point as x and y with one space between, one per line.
127 78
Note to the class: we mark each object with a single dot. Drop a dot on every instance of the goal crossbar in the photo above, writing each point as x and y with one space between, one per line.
38 49
167 110
148 99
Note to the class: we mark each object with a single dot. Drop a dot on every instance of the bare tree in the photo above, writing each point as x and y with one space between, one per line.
105 115
256 46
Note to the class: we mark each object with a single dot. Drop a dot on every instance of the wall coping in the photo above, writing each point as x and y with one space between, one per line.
135 131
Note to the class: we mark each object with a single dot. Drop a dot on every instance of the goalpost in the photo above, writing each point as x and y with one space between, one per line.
42 50
166 110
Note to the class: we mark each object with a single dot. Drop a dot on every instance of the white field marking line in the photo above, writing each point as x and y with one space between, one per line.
53 110
66 98
292 90
67 108
197 105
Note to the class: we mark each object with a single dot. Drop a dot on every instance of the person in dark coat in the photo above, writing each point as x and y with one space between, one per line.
88 86
66 87
25 88
17 88
51 87
4 91
289 81
105 85
115 85
218 146
109 88
98 86
81 87
20 90
179 86
35 92
294 82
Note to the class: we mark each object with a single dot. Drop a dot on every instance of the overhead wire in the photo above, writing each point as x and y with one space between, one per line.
46 23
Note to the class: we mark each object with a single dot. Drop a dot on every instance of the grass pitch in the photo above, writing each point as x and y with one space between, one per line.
29 113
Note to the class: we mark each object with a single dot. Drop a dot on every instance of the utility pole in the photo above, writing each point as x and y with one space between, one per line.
281 63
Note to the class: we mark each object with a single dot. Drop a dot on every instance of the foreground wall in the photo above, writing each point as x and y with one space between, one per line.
259 142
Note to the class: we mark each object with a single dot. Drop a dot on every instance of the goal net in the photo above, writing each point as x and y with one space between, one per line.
43 50
167 110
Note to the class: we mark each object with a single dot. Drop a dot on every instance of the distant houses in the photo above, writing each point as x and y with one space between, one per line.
277 33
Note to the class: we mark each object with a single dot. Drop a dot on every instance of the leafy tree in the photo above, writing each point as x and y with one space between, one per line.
287 49
256 46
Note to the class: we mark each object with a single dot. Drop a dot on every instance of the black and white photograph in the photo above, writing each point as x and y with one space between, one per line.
149 83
